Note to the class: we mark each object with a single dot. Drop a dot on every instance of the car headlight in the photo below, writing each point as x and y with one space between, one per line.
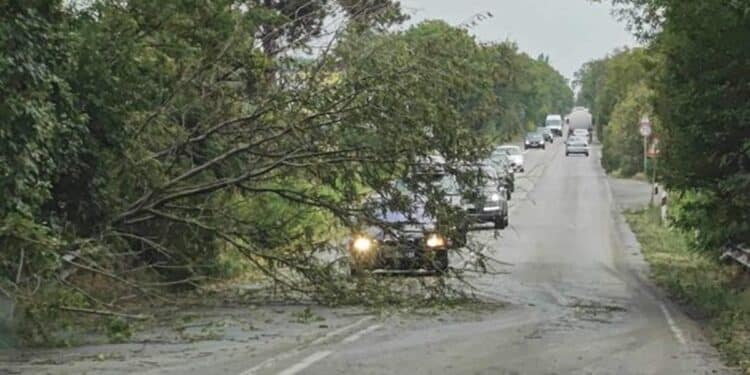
435 240
495 197
362 244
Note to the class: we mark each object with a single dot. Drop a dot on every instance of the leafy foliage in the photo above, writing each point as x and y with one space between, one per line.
150 142
623 144
701 96
713 290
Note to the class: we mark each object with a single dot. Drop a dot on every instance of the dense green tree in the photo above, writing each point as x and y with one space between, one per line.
155 140
701 97
622 151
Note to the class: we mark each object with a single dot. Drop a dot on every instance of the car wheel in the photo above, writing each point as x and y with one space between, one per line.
587 154
506 221
499 222
440 261
567 154
544 147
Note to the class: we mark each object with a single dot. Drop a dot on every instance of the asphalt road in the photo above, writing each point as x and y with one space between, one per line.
579 303
573 282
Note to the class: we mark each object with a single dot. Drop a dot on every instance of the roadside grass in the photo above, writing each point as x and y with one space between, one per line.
711 292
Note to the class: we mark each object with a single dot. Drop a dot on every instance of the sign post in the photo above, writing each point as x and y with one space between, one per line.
645 130
653 153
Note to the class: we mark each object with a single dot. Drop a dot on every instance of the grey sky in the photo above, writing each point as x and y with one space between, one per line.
570 31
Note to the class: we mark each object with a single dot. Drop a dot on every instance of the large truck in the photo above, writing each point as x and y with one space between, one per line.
579 118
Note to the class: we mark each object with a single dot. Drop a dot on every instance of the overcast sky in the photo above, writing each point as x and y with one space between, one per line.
572 32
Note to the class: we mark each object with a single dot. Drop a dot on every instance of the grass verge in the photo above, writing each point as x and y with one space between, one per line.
711 292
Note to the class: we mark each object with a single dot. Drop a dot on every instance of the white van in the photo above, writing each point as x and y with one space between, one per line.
555 124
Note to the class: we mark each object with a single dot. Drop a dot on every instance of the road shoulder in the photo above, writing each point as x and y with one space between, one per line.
693 334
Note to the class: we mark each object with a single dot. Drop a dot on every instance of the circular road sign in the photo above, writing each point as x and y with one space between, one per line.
645 128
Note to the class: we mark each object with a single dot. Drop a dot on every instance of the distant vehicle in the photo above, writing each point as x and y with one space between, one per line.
575 145
573 138
547 134
534 140
515 155
486 204
505 171
580 118
555 124
582 133
401 239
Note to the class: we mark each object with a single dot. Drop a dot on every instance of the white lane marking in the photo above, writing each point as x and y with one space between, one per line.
305 363
270 361
672 325
339 331
361 333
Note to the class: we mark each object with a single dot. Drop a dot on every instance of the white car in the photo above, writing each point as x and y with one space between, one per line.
581 133
515 156
576 145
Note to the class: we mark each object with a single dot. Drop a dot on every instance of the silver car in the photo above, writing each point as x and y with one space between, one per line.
515 155
576 146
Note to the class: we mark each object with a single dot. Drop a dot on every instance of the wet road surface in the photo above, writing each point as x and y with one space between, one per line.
574 284
579 303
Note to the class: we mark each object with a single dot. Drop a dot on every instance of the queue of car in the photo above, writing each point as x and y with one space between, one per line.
410 237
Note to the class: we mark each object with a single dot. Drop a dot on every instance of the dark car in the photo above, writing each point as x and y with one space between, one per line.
486 203
534 140
547 134
405 239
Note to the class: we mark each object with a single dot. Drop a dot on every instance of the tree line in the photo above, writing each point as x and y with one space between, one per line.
691 76
147 146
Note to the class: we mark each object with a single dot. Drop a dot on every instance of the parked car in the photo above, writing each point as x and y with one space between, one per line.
487 203
547 134
406 239
504 170
534 140
514 154
576 145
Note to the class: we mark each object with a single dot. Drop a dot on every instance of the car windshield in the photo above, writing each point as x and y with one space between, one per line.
554 122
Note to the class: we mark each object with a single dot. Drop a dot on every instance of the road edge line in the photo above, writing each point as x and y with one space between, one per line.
676 331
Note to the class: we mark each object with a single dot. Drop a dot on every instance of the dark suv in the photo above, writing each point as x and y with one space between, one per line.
534 140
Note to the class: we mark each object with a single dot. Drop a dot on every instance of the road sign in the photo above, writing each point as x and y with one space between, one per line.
645 126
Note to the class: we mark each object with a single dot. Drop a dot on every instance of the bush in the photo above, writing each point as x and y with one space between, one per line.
714 291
